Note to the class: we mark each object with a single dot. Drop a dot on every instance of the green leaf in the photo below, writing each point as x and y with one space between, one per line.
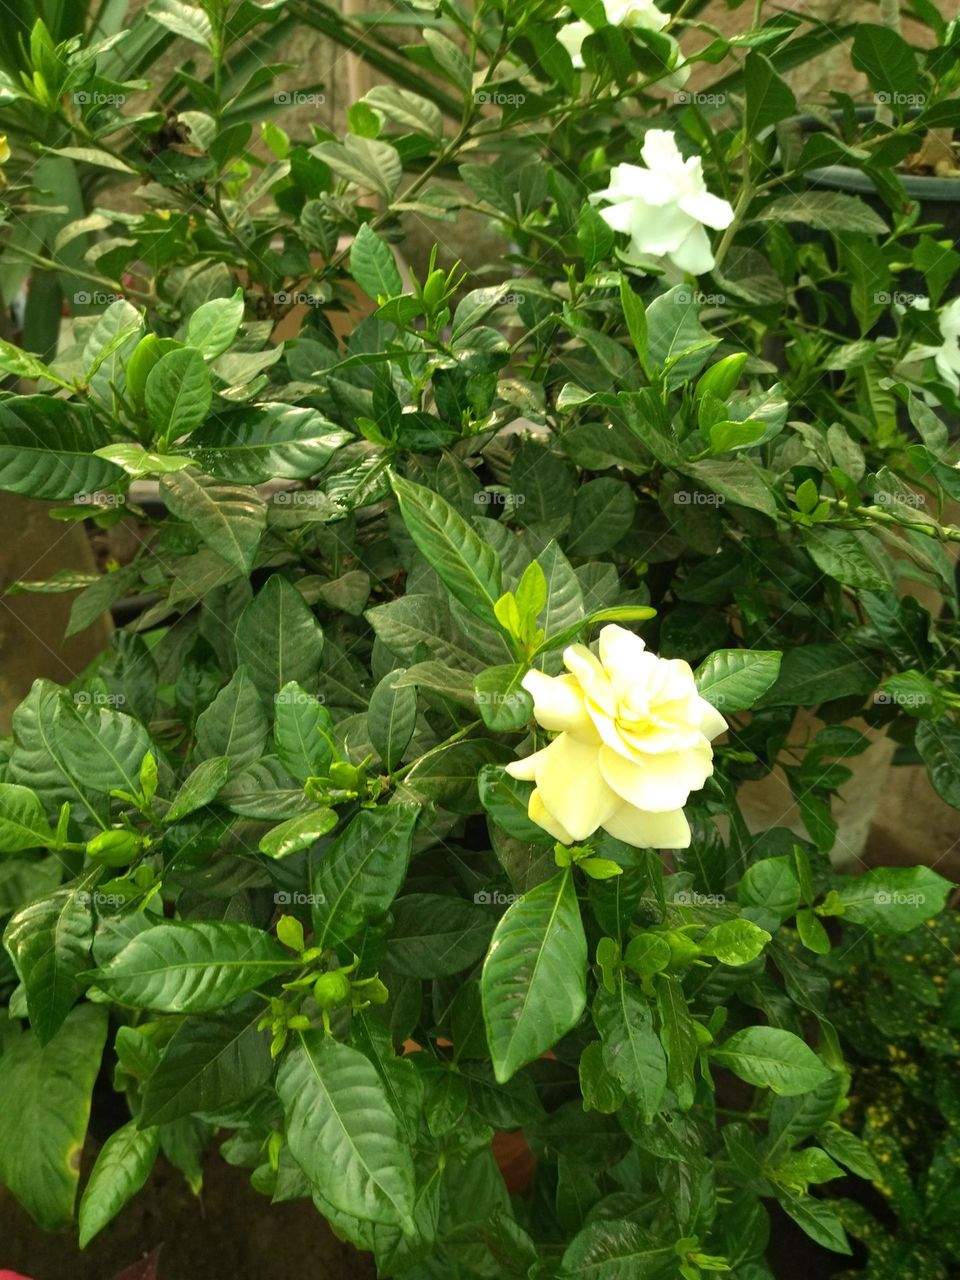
850 557
391 718
23 824
362 871
733 679
46 1091
504 705
850 1151
826 211
187 20
632 1051
771 884
406 108
122 1168
769 97
302 732
177 394
533 985
191 967
105 748
343 1133
617 1249
815 673
434 936
373 266
231 520
886 60
49 941
818 1220
199 789
47 449
209 1065
298 833
234 725
506 800
772 1059
279 639
271 441
939 748
214 324
634 313
679 1037
468 567
735 942
677 343
893 899
602 515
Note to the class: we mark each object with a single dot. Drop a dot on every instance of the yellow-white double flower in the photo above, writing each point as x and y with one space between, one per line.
633 740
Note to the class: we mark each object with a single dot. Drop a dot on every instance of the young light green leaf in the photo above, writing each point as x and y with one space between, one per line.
298 833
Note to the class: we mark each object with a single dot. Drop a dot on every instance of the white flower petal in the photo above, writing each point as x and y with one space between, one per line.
709 209
572 37
572 787
662 782
669 830
620 650
694 253
588 670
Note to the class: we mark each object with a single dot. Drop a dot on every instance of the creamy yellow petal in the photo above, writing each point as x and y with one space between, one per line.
621 652
526 768
712 723
662 782
572 787
668 830
557 702
586 668
538 812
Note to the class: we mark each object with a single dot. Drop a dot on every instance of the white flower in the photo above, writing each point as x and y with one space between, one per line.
633 740
619 13
947 355
664 207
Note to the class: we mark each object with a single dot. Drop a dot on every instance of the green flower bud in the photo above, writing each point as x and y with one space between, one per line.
331 990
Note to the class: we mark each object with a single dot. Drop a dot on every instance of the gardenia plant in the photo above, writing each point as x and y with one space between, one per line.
407 811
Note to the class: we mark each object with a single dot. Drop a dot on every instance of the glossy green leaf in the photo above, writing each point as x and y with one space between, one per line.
773 1059
49 941
191 966
279 639
533 984
121 1169
343 1133
229 518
